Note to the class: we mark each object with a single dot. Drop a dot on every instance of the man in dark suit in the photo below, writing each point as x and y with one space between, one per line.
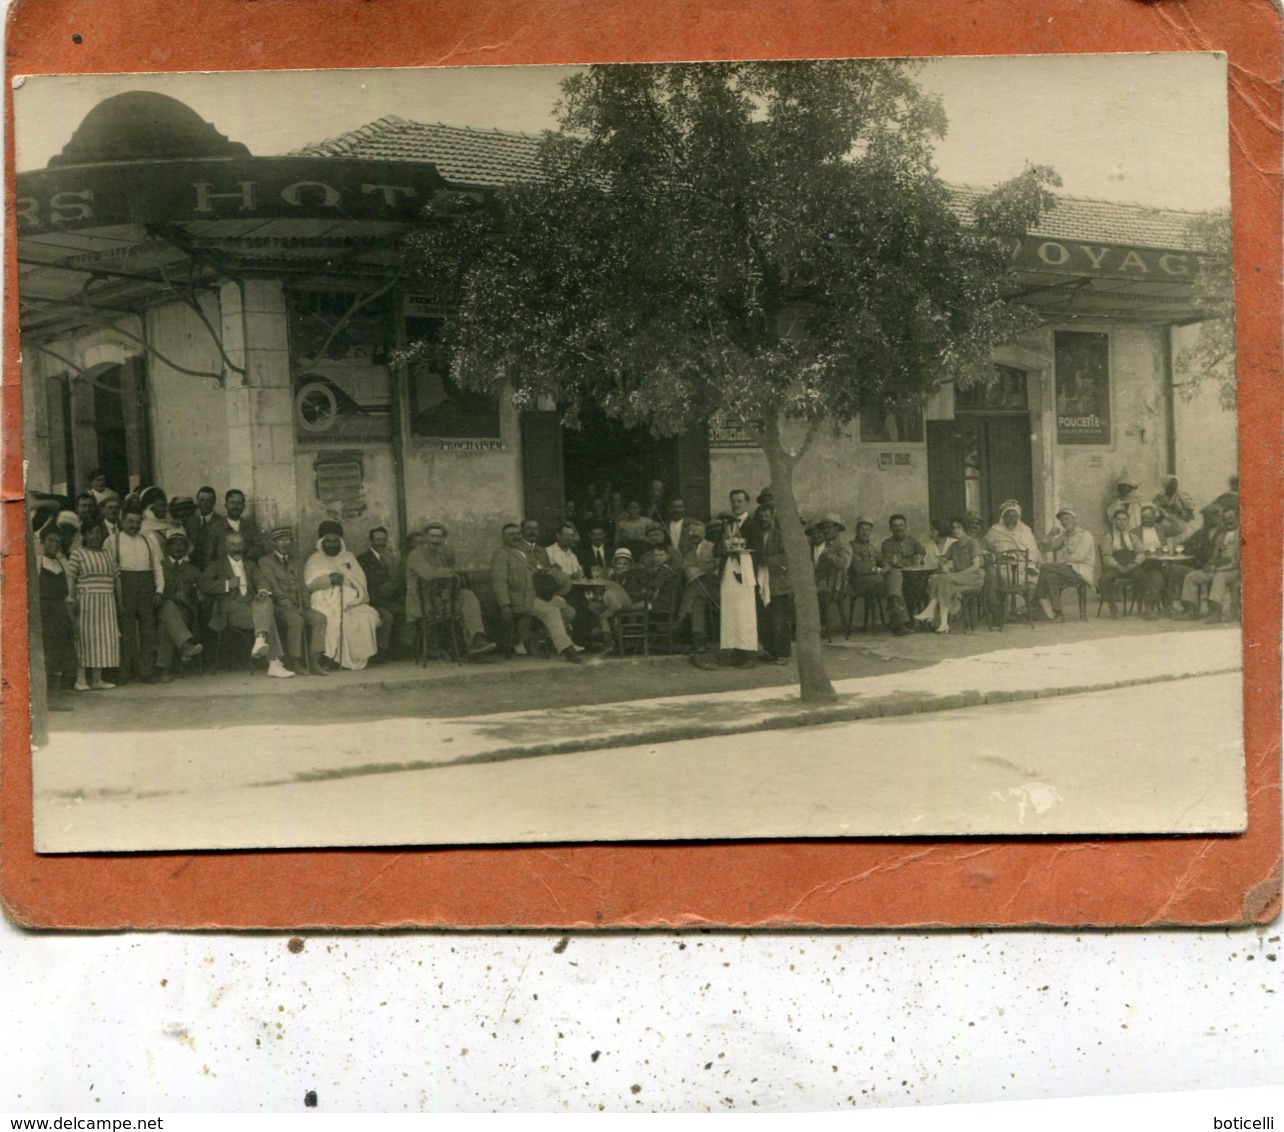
282 574
595 558
385 592
177 617
235 522
199 523
242 600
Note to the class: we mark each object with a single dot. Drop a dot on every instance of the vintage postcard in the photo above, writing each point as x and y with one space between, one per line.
799 449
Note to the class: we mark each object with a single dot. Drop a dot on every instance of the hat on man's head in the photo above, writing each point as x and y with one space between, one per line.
436 525
765 496
282 532
150 495
1210 509
833 518
1169 478
330 527
622 552
177 536
68 519
864 520
1125 479
1120 510
182 501
1066 511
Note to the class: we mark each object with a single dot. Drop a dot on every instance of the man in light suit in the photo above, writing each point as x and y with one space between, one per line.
512 577
282 574
242 600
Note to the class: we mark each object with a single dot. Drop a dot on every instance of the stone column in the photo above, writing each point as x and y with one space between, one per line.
260 403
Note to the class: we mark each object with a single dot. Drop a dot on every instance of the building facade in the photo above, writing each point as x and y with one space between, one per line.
193 314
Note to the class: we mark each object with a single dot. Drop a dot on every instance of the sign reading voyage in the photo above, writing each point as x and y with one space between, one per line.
1083 387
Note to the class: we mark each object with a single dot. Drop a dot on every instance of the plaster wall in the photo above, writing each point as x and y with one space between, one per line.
473 493
838 474
1085 475
189 428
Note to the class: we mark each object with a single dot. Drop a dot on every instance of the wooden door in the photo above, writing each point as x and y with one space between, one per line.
978 461
691 479
1009 469
946 494
543 487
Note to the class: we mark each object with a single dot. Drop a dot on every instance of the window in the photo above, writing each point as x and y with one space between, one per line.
892 428
1004 393
339 358
439 408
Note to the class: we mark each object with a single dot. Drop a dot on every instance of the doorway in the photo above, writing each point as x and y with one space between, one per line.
982 457
563 465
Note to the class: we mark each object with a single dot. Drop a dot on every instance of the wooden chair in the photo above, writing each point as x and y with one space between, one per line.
835 599
241 650
1081 590
873 608
440 635
1123 596
1012 580
662 616
975 607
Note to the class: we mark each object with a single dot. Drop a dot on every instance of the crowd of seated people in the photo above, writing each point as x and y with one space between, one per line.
133 588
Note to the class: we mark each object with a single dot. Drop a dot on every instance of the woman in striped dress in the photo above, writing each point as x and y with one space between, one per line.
91 594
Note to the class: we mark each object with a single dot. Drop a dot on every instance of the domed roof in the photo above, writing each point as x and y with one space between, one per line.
141 125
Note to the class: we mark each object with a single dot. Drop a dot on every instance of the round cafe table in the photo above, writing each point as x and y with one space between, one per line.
915 588
1166 562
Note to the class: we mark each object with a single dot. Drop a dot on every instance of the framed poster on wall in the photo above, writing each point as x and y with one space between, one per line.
1083 387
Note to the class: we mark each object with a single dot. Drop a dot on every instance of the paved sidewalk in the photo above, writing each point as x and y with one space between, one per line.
155 762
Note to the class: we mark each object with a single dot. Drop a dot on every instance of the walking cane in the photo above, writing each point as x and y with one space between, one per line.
340 656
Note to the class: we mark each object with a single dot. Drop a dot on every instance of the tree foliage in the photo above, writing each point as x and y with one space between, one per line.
765 240
1211 357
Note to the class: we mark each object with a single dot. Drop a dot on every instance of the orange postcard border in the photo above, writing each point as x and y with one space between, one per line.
1141 881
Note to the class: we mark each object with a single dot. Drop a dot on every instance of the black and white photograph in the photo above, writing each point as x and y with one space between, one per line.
634 452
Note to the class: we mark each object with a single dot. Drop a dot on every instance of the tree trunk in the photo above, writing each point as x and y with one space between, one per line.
813 681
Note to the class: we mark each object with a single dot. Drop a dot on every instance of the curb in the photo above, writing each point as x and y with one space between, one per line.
883 707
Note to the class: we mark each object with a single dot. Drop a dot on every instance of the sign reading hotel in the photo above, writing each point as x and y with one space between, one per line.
1083 387
727 433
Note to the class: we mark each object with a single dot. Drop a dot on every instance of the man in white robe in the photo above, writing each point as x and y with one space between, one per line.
339 590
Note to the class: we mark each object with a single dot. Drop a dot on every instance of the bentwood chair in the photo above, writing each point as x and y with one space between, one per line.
439 628
1012 578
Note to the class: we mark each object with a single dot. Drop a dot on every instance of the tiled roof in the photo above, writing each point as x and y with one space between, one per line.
461 154
1099 221
468 156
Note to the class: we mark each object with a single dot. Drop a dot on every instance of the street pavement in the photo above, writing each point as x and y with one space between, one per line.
1135 732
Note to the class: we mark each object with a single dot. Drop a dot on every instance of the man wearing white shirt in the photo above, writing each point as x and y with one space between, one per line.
142 581
561 554
1072 554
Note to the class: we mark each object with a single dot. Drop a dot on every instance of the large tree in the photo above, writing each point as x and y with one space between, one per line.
1211 356
769 241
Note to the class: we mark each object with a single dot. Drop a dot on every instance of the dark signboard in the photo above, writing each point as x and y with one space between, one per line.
247 188
1112 261
1083 387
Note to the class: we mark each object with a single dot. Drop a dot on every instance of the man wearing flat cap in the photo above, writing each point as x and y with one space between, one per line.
177 616
282 574
433 560
1071 554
